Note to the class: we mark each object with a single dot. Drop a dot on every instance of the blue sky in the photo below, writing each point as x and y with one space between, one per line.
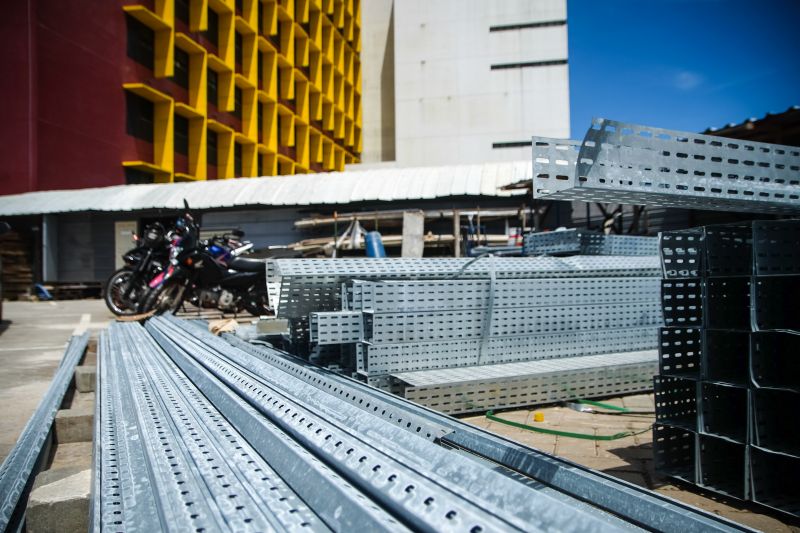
682 64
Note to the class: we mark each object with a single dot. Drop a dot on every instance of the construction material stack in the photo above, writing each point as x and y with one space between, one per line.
210 434
462 335
729 376
581 242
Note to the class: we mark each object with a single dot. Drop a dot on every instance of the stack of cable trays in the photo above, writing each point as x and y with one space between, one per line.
581 242
466 335
200 433
729 378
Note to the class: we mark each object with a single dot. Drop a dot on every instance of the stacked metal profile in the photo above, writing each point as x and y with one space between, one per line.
486 317
32 449
298 287
729 378
196 433
579 242
628 163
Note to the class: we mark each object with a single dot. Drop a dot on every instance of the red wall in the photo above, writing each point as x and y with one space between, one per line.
17 107
73 52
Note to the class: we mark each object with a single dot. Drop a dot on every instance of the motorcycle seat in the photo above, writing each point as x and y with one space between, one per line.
247 265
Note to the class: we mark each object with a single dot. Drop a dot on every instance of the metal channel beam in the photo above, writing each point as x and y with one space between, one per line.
426 497
19 468
192 465
640 506
627 163
520 505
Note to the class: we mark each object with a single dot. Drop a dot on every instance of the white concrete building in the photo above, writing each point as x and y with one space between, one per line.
462 81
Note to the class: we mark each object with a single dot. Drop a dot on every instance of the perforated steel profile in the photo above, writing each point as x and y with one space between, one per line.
381 359
633 164
169 458
442 295
471 324
480 388
577 242
19 467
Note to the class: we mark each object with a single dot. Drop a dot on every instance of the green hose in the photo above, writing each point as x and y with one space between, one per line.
491 416
602 405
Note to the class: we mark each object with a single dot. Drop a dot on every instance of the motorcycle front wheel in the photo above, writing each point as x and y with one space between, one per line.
166 298
114 293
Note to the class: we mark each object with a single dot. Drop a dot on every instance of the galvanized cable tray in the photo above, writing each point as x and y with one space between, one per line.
19 467
385 359
485 387
727 365
299 286
388 268
393 296
391 328
579 242
632 164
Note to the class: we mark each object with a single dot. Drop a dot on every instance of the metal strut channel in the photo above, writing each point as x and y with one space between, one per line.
124 498
250 496
401 490
443 473
334 500
193 470
17 471
386 407
637 505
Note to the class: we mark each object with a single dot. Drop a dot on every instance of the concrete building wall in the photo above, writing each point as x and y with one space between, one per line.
460 88
377 79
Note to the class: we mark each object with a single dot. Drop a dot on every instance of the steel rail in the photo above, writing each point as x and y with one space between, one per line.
19 468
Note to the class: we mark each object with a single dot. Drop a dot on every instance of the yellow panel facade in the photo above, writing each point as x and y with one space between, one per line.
285 97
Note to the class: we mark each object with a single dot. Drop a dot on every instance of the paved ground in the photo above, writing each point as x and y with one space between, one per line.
32 340
629 458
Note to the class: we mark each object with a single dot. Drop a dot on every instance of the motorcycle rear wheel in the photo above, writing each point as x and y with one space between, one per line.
114 293
166 298
256 301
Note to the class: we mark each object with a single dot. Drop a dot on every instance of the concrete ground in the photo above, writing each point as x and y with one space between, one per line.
629 458
33 336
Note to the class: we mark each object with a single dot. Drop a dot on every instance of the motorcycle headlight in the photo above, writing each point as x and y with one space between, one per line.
130 259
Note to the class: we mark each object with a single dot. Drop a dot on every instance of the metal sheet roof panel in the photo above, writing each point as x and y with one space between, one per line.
381 184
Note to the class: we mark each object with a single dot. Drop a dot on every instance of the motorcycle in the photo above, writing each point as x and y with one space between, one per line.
126 286
208 274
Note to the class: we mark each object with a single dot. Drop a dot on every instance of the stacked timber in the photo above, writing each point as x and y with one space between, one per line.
17 271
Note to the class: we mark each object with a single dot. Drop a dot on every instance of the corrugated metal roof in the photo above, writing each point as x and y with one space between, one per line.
378 184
